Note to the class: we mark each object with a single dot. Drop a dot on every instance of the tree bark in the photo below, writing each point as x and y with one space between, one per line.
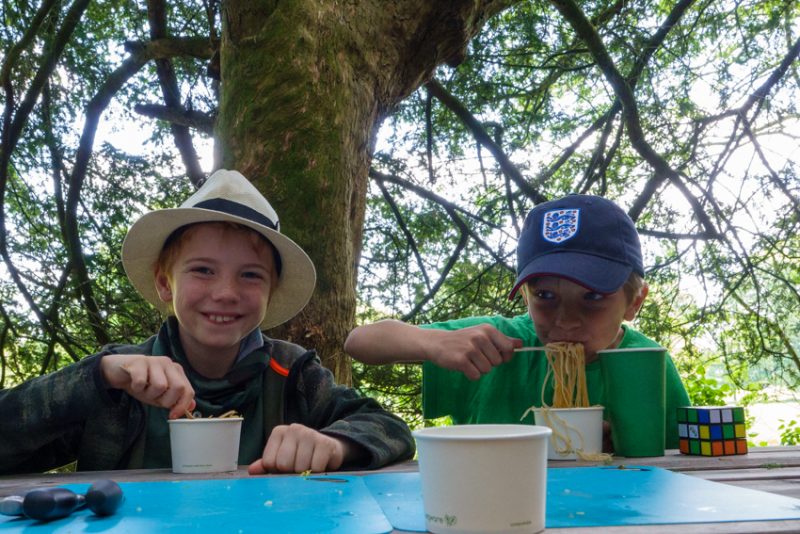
305 85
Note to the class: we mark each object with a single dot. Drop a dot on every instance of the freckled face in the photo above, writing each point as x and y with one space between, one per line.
219 287
565 311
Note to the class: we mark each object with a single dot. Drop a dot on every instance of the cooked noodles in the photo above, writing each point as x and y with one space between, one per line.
566 365
226 415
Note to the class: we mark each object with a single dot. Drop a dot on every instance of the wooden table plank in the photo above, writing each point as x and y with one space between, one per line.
751 527
763 457
733 475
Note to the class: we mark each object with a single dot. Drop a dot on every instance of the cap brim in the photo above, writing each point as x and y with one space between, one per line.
145 239
598 274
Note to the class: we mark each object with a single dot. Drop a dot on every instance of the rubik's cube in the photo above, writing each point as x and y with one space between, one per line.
712 430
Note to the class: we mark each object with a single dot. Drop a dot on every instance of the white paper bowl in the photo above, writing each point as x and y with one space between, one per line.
205 445
483 478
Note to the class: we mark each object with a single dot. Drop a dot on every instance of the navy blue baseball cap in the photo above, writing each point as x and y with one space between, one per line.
586 239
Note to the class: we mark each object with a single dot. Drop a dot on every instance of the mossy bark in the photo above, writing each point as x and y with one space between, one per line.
305 85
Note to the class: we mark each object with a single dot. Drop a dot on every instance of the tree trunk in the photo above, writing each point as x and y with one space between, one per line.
305 85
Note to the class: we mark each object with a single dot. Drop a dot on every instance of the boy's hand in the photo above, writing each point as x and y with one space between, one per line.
296 448
155 380
474 351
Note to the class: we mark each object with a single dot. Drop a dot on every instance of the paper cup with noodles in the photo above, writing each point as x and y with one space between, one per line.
577 432
203 445
483 478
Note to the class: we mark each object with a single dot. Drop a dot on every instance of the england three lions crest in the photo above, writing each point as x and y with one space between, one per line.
560 225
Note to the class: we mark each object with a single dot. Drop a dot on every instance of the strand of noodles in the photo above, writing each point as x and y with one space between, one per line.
226 415
562 441
567 365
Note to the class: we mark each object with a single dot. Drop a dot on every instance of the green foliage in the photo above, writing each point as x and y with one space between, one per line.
725 301
704 391
117 197
790 432
398 388
45 319
716 101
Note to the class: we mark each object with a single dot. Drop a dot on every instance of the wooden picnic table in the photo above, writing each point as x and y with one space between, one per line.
771 469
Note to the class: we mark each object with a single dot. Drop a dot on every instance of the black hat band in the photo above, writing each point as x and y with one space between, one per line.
239 210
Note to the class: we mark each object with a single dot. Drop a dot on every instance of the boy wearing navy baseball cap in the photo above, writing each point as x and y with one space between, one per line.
580 272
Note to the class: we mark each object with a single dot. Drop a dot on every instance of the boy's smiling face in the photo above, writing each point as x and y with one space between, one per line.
565 311
219 286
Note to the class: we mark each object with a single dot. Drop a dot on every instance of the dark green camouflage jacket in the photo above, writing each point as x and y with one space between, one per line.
71 415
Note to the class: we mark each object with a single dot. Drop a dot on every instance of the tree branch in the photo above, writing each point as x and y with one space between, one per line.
13 127
623 91
13 55
704 236
464 233
741 119
598 158
429 134
480 134
157 16
94 110
462 242
171 47
760 94
406 232
188 118
10 136
748 131
445 204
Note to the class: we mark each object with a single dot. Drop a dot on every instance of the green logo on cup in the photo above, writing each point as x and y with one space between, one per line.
448 520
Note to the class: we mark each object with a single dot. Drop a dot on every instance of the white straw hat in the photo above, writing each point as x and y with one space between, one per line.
225 196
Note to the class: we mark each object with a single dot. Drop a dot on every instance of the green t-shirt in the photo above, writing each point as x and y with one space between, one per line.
508 390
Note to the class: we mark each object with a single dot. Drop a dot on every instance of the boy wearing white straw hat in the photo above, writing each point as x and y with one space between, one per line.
220 268
580 272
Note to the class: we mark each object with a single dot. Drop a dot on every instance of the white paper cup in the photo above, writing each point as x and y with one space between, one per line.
483 478
205 445
574 430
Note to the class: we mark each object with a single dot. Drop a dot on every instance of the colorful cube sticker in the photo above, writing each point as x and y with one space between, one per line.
712 430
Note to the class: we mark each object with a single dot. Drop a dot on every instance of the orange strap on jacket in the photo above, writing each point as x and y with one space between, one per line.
278 368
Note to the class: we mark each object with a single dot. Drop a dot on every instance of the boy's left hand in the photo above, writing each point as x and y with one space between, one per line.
296 448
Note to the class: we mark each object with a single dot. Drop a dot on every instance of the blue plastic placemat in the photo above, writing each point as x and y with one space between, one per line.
259 504
609 496
576 497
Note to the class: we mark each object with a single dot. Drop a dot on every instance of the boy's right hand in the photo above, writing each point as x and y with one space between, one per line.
155 380
474 351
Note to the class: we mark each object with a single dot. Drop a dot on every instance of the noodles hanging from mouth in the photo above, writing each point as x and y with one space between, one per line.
566 367
566 364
